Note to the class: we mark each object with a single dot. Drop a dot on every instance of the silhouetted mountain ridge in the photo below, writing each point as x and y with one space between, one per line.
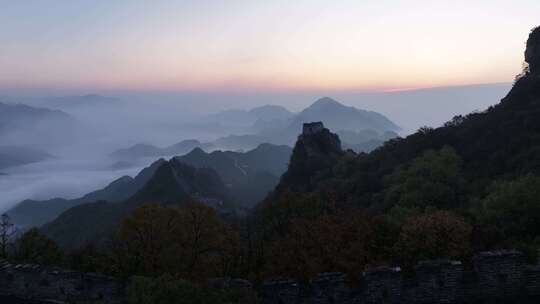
332 113
173 182
501 143
249 175
146 150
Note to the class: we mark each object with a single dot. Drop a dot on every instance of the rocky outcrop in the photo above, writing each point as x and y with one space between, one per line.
532 53
317 141
316 150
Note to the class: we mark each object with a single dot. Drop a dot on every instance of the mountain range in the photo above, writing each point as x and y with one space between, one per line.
368 125
249 117
146 150
248 177
173 182
362 130
372 128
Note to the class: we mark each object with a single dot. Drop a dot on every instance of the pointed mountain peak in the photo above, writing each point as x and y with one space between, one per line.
326 101
198 151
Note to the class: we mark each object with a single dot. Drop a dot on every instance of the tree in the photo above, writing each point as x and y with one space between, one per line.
275 215
191 242
433 179
346 242
439 234
513 208
7 231
34 247
204 241
143 239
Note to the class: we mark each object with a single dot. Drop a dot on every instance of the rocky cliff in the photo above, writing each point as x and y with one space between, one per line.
532 53
316 150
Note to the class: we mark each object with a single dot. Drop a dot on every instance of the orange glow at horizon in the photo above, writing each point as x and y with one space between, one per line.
253 45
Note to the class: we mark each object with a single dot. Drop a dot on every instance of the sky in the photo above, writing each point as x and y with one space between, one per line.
279 45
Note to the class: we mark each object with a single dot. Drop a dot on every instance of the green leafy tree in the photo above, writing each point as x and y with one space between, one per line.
513 208
433 179
35 247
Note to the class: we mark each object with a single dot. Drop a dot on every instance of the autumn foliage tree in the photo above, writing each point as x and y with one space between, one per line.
189 242
432 235
346 242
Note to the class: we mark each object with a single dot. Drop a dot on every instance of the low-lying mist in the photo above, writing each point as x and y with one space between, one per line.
65 178
81 149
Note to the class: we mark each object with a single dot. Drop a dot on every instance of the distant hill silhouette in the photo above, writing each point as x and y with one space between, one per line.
23 125
15 116
372 128
271 112
249 117
337 116
11 156
145 150
90 100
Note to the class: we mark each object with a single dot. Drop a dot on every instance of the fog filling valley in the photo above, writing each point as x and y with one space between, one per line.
79 146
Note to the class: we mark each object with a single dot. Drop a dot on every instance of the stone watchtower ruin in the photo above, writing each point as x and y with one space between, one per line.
312 128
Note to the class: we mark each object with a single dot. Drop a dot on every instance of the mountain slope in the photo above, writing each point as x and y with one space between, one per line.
250 175
173 183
